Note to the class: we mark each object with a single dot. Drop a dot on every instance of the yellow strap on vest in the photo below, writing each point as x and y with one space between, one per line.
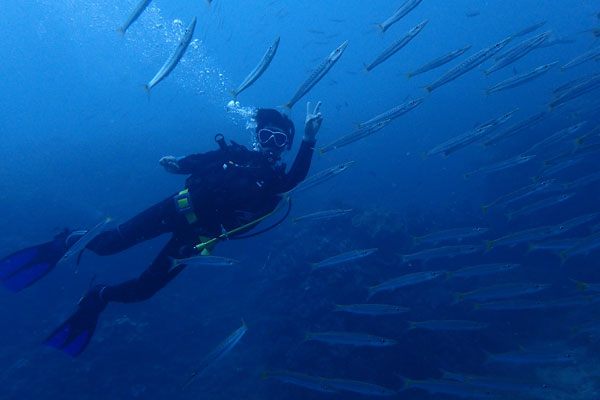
184 204
210 244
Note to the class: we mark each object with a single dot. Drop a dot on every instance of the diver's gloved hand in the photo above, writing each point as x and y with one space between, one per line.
170 163
92 300
313 122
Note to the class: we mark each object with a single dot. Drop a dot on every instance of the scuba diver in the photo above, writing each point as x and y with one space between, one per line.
228 192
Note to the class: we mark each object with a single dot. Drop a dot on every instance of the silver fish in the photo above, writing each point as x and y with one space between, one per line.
438 62
459 389
173 60
79 245
524 192
321 177
404 9
446 251
258 70
139 9
577 91
393 113
583 181
405 280
306 381
530 357
518 52
557 136
467 138
352 137
344 257
520 79
317 74
467 65
516 128
538 205
502 291
480 270
449 234
397 45
369 389
500 166
217 353
328 214
557 244
447 325
209 261
351 338
592 54
584 247
371 309
530 29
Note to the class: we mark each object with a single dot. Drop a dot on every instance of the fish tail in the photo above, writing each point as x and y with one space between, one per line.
121 30
208 2
380 26
357 125
147 89
486 92
424 155
234 94
489 244
410 75
428 88
307 336
530 248
484 208
337 307
416 240
466 176
372 292
580 285
412 324
264 375
563 257
321 151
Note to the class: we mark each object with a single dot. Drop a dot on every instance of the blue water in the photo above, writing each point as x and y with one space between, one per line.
81 141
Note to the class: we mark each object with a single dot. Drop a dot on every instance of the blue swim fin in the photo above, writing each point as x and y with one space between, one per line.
24 267
73 335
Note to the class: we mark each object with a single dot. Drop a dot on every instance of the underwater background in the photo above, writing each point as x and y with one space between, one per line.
81 141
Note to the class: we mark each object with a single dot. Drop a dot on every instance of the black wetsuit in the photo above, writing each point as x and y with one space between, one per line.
228 187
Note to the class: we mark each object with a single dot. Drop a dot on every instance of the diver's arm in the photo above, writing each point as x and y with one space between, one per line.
186 165
301 164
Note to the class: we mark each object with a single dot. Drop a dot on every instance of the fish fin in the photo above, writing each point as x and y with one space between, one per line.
580 285
563 256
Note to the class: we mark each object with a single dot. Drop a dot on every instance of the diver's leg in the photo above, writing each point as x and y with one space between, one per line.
160 272
73 335
156 220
